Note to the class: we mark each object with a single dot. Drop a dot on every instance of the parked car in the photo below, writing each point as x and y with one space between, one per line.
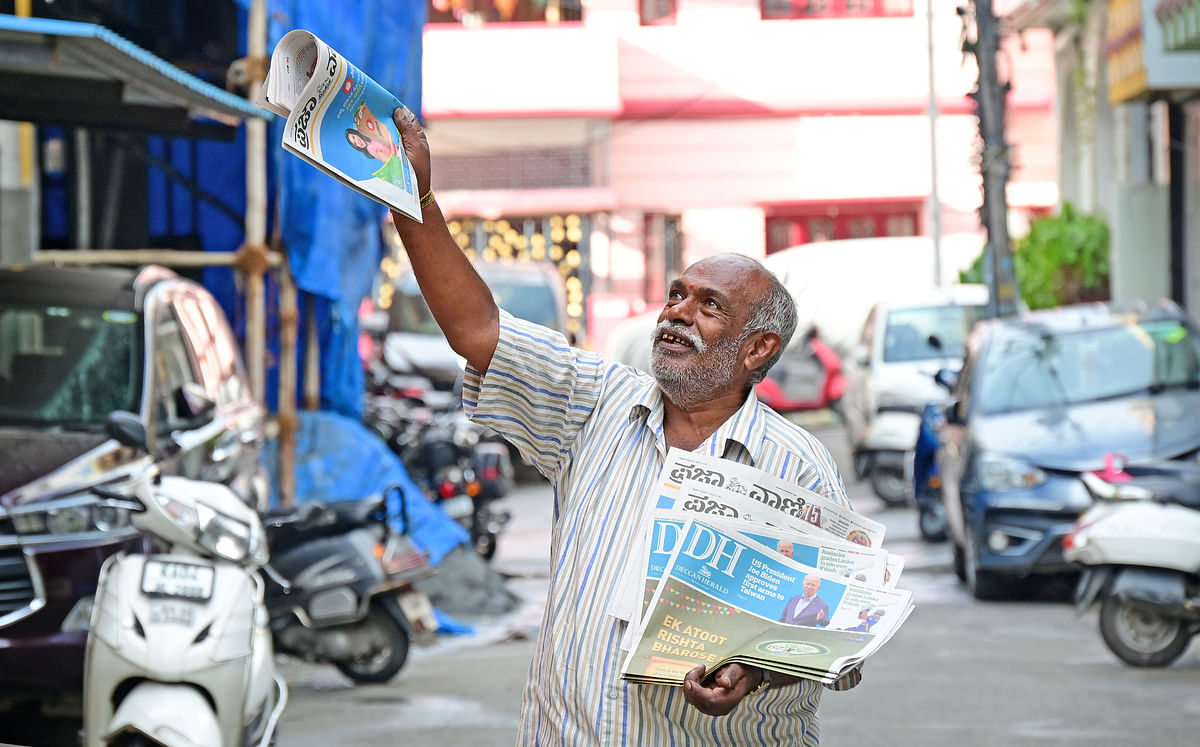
414 345
835 283
1041 399
76 345
889 376
417 359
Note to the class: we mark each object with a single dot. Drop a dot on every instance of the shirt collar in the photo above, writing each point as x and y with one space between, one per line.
745 428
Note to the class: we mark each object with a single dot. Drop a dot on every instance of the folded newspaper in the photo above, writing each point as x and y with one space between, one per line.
746 567
340 121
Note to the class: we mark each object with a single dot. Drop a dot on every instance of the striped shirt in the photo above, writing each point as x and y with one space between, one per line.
595 429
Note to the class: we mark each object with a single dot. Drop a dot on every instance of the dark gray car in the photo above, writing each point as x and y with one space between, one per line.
1042 398
75 345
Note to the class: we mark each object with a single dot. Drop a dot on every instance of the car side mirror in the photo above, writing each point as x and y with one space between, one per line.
127 428
861 355
953 414
947 378
194 406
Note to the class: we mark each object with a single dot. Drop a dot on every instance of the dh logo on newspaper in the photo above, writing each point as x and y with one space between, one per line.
791 648
719 553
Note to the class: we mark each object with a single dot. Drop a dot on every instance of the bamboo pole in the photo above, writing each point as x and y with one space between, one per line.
289 324
256 209
166 257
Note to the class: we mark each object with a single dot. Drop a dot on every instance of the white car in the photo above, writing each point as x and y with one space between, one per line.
890 376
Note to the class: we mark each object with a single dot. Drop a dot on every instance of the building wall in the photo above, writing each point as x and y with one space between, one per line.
720 118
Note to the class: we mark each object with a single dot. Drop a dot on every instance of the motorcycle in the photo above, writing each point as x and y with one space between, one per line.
808 376
922 475
342 587
178 650
1139 549
459 465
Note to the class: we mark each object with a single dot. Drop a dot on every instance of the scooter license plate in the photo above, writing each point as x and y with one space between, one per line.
164 578
459 506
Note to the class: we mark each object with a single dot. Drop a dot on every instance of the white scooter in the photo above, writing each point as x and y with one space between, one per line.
1139 548
179 653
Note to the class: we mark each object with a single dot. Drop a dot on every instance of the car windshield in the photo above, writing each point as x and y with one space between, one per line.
929 333
1045 370
535 303
408 311
68 366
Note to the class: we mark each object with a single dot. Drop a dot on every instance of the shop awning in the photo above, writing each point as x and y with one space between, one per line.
81 74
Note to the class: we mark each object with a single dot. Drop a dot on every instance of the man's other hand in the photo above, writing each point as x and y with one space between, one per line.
724 689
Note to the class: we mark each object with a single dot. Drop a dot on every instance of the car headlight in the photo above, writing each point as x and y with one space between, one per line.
75 515
997 472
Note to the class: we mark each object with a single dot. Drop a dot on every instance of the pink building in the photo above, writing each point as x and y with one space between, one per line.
632 137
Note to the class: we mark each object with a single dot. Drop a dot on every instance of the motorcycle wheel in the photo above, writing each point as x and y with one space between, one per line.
931 521
485 545
1141 637
888 483
482 540
388 655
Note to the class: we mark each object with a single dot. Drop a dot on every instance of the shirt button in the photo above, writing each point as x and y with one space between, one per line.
612 693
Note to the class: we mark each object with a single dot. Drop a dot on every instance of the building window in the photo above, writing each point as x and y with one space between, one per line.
656 12
480 12
795 9
662 237
789 225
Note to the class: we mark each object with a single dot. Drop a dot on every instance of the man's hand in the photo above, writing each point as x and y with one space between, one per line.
725 689
416 147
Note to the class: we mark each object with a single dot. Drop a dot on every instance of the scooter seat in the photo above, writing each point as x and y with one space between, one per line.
1177 482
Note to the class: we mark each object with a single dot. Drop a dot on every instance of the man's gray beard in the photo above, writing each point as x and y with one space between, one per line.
689 381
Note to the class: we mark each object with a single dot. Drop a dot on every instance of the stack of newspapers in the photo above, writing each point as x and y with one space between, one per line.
734 564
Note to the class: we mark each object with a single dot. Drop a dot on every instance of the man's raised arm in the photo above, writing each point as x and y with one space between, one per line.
460 301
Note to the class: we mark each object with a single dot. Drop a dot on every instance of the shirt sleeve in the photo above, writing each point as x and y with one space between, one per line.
537 393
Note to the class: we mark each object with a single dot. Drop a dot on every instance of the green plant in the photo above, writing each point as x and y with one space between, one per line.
1063 259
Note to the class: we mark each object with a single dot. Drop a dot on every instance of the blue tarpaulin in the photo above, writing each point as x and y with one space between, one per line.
332 234
338 458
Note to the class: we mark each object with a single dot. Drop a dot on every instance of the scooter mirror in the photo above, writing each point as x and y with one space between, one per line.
1114 491
947 378
127 428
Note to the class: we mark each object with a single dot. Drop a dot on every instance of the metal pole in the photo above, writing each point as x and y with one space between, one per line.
990 97
935 204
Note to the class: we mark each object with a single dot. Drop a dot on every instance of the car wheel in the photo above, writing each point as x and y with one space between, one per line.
1141 637
984 585
931 521
888 483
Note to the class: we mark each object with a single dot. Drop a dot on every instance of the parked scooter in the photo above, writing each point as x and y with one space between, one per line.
343 589
1139 548
178 651
924 477
809 376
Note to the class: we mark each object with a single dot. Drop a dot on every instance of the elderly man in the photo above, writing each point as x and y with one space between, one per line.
600 431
